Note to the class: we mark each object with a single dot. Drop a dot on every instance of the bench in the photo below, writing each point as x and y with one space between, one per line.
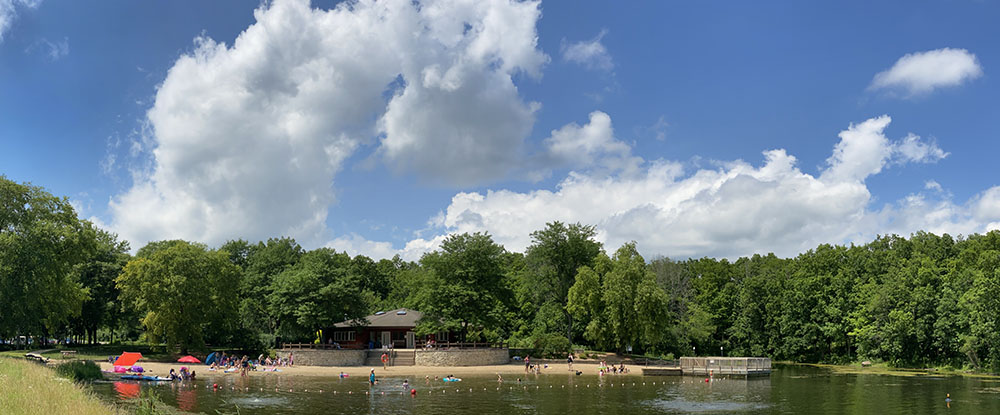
66 353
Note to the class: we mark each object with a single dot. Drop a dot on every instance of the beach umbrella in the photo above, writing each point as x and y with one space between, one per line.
189 359
128 359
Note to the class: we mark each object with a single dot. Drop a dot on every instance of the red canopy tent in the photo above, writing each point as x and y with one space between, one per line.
128 359
189 359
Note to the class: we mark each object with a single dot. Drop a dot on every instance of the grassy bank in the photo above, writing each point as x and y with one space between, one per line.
30 388
97 352
884 369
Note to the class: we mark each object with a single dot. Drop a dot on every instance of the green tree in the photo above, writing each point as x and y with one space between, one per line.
317 292
463 288
41 240
183 291
552 261
104 260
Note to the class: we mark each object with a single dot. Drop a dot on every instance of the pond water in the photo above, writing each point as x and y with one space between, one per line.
789 389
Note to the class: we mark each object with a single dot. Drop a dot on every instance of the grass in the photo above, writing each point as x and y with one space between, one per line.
80 370
884 369
30 388
98 353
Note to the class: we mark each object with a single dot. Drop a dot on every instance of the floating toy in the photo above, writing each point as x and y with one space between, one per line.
140 377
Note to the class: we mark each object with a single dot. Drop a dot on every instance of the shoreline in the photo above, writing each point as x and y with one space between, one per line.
882 369
510 369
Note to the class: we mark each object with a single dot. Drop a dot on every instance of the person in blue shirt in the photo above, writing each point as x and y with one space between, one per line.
371 378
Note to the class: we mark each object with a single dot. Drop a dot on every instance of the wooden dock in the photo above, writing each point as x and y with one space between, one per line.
739 366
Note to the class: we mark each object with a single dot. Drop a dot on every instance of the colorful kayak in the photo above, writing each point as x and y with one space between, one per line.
140 377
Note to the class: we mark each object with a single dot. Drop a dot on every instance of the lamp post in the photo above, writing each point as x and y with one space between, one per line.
721 353
694 351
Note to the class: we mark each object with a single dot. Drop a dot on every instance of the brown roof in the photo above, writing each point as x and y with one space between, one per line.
396 318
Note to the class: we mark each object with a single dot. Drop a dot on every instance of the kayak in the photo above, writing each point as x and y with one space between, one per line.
140 377
452 380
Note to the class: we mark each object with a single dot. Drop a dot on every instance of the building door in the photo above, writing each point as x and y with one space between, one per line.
386 339
409 340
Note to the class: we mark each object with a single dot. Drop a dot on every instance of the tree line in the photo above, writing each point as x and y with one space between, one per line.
923 300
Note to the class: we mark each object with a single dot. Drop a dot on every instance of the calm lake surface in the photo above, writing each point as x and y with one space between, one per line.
789 390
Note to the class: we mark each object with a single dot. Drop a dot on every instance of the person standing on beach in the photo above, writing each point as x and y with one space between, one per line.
385 360
527 363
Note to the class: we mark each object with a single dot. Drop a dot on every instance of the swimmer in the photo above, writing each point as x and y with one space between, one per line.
371 378
406 384
499 378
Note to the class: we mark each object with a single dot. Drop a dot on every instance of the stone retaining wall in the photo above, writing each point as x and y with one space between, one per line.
462 357
307 357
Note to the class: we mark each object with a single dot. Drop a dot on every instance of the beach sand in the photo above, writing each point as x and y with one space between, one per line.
512 369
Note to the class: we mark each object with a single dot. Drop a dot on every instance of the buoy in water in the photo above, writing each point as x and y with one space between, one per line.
413 392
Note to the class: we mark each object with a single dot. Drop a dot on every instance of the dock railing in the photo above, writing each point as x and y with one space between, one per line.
725 365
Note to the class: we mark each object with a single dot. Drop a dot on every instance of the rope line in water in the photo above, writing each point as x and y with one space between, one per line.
217 388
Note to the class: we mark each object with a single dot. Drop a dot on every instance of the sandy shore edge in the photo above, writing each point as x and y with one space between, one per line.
588 368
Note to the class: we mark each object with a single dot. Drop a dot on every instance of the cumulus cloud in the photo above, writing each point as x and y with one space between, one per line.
9 10
735 209
911 149
592 145
245 139
590 53
922 72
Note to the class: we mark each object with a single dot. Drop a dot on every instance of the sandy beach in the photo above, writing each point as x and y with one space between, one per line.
512 369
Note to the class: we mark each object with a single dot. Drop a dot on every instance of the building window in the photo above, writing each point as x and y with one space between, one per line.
442 336
343 336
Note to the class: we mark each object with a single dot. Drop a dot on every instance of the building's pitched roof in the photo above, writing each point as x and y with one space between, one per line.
396 318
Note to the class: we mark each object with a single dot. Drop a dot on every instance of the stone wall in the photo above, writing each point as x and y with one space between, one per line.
307 357
462 357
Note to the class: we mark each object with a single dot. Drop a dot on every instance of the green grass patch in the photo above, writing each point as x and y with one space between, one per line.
30 388
884 369
100 353
80 370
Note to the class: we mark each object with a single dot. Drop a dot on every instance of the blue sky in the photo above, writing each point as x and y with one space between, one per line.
380 127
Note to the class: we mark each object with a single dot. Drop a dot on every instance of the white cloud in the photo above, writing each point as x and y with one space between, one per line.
355 244
590 53
933 185
913 150
52 50
987 205
591 145
9 10
922 72
245 140
733 210
864 150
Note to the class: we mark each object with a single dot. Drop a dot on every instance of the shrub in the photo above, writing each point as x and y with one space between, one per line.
552 345
80 370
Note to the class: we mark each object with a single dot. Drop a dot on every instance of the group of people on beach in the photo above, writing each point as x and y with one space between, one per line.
245 365
182 374
604 369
